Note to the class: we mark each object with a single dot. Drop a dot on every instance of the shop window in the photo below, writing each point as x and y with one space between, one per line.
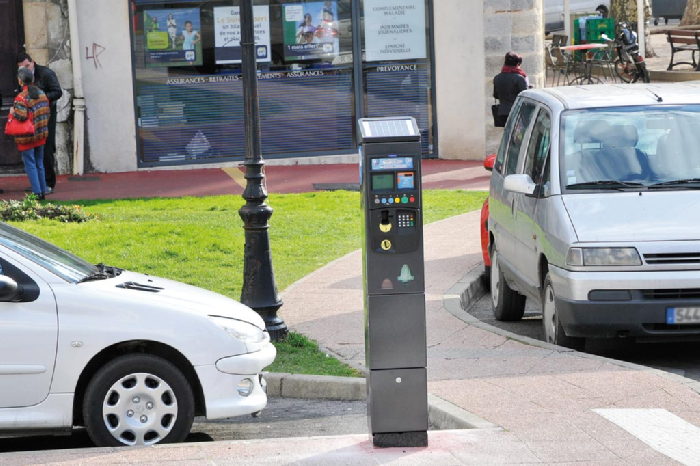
397 65
189 93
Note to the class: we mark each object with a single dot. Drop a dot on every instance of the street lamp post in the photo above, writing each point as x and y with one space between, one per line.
259 290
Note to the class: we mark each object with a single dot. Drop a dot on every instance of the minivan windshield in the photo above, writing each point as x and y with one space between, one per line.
631 148
62 263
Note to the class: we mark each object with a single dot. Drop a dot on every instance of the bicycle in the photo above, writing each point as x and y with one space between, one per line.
629 65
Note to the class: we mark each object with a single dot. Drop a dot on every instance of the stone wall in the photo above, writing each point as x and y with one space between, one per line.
47 40
459 66
515 25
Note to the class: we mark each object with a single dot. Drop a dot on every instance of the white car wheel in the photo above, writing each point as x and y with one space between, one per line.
138 400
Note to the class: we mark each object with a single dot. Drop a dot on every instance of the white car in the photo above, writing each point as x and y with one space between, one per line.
554 11
131 357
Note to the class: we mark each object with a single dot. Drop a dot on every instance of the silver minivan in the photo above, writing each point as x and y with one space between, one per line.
595 212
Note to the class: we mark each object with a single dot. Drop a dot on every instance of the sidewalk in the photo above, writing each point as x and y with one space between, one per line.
437 174
543 396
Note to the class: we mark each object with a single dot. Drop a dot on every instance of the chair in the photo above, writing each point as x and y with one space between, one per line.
566 64
559 40
551 68
672 161
584 166
619 158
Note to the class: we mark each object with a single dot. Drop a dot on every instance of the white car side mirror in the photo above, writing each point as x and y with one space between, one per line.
522 184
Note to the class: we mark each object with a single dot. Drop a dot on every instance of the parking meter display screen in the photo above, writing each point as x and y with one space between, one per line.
383 182
406 180
392 163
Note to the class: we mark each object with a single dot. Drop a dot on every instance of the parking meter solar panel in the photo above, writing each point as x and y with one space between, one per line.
389 129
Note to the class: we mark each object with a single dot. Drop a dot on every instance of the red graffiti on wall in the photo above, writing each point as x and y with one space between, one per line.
97 50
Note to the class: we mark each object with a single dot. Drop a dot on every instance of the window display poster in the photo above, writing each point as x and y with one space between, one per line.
173 37
227 34
311 30
395 30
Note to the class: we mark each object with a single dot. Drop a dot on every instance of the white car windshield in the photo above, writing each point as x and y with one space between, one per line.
644 147
62 263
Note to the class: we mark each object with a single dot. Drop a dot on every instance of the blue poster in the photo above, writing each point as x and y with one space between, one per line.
173 37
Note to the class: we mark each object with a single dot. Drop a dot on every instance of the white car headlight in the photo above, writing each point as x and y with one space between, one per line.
603 257
243 331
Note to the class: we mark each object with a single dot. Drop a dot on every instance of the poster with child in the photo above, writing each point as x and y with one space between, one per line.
173 37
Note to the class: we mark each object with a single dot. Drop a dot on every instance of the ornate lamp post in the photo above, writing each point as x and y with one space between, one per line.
259 289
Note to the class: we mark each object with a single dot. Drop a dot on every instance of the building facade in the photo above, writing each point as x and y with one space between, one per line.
162 82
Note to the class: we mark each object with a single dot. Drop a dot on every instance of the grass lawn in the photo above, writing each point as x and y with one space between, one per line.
200 241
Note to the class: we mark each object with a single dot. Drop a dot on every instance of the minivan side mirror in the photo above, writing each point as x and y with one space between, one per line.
490 161
522 184
8 289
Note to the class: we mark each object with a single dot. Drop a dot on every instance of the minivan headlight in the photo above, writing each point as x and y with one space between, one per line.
580 257
245 332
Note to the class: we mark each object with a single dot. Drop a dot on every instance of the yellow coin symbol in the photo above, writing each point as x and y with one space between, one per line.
386 245
385 227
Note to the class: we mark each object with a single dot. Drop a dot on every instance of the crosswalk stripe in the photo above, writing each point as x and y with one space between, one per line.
661 430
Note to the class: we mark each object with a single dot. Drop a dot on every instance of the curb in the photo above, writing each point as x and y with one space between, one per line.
466 292
441 413
320 387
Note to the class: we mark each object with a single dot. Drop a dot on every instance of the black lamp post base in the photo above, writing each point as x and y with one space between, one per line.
278 332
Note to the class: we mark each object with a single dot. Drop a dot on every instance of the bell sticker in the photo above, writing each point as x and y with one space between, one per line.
406 275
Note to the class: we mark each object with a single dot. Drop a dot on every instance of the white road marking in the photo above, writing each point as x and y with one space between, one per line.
661 430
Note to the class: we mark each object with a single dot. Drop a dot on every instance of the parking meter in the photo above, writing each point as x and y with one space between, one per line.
394 282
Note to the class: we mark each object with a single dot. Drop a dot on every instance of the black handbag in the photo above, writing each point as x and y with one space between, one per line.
499 121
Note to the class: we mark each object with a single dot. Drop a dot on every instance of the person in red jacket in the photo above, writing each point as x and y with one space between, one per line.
32 103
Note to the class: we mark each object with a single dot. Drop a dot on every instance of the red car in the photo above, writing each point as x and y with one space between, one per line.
484 227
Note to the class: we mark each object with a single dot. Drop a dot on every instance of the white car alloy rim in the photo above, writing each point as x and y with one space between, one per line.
549 314
495 284
139 409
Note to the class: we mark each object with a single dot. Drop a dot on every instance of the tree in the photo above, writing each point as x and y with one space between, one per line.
692 13
626 10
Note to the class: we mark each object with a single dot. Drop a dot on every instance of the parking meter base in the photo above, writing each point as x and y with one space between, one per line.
400 439
397 401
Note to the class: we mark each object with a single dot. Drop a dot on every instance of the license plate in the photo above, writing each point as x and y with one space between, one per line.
683 315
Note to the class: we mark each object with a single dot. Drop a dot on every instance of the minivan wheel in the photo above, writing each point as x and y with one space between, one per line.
553 330
507 304
138 399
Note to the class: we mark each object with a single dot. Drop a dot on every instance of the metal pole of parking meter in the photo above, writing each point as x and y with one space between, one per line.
259 289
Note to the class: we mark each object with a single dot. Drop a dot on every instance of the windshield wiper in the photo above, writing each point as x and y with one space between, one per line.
675 183
103 272
612 184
